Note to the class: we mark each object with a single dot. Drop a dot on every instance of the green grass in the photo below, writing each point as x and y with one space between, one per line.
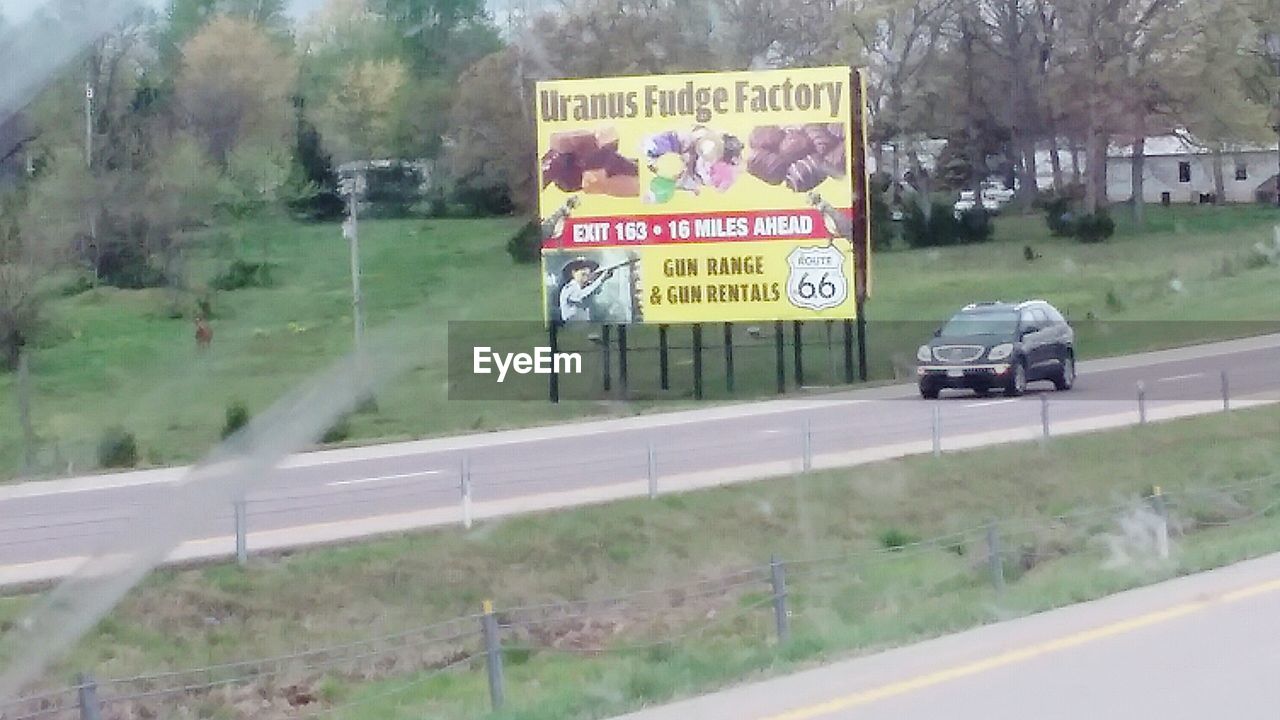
861 598
116 357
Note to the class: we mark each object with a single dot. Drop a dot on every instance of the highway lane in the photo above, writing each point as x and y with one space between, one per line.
309 491
1202 646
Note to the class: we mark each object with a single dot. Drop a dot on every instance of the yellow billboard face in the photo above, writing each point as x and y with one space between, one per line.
703 197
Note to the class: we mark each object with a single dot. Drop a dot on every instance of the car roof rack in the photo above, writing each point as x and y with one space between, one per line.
983 303
1033 301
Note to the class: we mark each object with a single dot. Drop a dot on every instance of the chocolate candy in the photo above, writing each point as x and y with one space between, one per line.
822 140
767 137
560 168
834 162
617 165
732 149
769 167
805 175
575 142
795 145
594 154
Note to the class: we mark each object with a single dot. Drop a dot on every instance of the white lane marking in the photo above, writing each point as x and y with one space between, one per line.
1175 378
771 432
989 403
381 478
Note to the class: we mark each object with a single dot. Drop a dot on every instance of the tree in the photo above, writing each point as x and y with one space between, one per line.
20 271
236 84
1105 40
184 19
429 30
494 136
361 117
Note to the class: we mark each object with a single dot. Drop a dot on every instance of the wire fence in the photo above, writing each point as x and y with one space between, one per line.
804 594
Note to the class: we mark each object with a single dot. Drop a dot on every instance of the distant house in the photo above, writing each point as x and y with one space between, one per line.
1178 169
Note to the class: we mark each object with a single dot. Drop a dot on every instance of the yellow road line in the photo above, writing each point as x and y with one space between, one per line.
1021 655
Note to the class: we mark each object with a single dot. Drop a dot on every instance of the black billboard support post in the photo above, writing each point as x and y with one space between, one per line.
553 378
664 368
605 359
798 349
862 341
728 357
697 361
848 352
622 360
780 344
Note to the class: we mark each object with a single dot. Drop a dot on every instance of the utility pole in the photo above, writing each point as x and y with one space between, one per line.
351 231
88 124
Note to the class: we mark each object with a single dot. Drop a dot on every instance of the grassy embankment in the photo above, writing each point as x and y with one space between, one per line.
863 599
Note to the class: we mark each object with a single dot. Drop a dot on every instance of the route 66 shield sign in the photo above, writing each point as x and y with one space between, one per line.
817 280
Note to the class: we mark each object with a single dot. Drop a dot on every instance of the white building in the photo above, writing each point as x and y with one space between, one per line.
1177 169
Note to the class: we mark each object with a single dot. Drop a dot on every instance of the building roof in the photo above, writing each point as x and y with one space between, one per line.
1183 143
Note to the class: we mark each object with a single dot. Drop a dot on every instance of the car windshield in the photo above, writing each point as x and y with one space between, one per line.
989 323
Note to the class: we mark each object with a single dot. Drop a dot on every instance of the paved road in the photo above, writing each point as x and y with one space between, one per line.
1203 646
46 527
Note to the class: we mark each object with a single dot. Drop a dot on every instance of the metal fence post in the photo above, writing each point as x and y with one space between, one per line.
937 430
465 486
1162 522
806 436
87 695
1044 416
778 579
1142 403
242 545
493 655
1226 393
995 557
653 472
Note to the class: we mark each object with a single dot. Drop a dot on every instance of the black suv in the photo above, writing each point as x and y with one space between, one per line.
1000 345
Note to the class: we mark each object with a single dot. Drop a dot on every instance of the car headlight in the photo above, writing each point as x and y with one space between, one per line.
1000 352
924 354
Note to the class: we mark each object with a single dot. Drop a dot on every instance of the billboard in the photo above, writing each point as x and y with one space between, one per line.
705 197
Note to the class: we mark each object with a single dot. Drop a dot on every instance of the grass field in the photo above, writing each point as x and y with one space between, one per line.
113 357
857 598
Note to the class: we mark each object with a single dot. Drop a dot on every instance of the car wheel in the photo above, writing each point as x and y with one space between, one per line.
929 392
1018 383
1067 375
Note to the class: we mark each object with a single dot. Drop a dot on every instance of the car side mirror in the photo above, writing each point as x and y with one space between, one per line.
937 333
1022 334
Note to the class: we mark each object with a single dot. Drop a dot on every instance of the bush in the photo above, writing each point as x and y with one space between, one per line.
244 274
78 286
525 247
484 201
124 265
339 431
940 228
1093 228
237 417
974 226
1058 216
117 449
883 229
894 539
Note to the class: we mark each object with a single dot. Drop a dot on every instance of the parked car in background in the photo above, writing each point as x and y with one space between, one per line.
994 197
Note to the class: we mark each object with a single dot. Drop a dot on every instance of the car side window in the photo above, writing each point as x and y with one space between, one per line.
1054 316
1029 319
1042 318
